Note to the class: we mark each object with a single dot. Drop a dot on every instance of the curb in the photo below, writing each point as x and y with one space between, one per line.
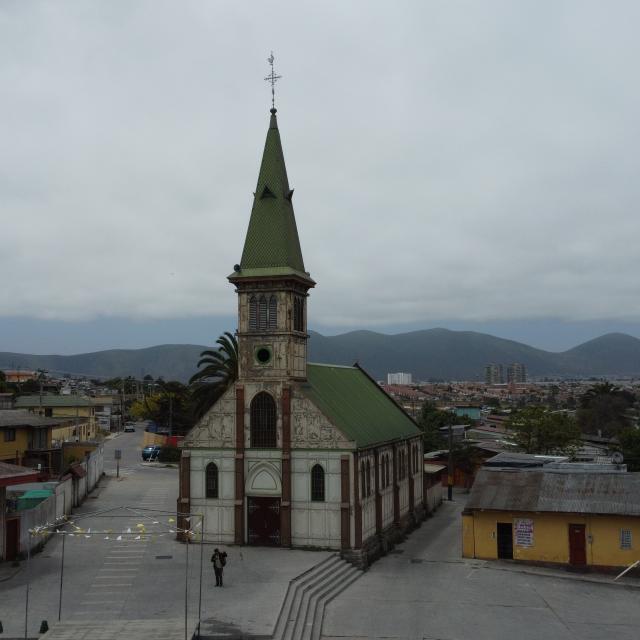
563 576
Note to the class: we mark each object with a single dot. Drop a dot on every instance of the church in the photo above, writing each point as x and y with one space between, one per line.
296 454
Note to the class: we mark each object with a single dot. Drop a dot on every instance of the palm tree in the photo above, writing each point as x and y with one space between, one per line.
220 370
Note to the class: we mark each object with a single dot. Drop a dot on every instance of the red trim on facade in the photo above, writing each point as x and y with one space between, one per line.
378 494
345 523
396 487
239 467
285 506
357 504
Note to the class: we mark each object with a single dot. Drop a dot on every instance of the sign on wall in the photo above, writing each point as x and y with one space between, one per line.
524 532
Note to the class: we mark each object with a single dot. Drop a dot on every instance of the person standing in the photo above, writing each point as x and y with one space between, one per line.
219 560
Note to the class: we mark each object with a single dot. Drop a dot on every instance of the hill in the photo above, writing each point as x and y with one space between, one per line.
432 353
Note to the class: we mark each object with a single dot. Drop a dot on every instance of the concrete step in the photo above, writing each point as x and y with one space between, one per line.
326 598
293 595
310 594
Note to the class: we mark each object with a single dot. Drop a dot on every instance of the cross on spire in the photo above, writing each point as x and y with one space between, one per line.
272 78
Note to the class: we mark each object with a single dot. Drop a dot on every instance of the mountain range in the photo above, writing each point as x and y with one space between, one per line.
438 354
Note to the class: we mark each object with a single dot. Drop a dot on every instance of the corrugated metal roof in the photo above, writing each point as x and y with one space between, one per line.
31 402
434 468
556 491
23 418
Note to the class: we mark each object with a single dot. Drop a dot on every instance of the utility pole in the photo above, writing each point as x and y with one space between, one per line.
170 413
450 471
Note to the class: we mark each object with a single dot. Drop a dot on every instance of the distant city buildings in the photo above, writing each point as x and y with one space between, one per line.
399 378
494 373
516 372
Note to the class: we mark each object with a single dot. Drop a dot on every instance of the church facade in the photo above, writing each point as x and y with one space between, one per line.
296 454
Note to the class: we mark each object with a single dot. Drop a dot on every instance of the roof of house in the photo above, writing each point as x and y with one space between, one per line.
23 418
13 474
556 491
52 401
521 460
272 245
357 405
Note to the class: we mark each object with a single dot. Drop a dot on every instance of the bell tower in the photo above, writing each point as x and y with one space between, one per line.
271 281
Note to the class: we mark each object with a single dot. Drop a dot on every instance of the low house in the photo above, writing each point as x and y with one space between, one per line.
552 516
10 527
26 440
432 481
79 413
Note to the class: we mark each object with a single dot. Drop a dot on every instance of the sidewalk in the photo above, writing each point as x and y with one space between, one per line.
630 580
8 571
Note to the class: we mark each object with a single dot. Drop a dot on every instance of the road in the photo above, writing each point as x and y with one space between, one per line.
113 567
424 590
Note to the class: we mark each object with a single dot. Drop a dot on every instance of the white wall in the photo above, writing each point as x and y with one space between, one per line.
315 523
218 513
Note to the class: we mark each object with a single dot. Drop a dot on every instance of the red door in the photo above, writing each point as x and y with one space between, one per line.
12 539
577 545
263 521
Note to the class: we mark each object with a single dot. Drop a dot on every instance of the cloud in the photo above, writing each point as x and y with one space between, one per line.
450 160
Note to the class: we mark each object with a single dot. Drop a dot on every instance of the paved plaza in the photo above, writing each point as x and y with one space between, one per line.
424 590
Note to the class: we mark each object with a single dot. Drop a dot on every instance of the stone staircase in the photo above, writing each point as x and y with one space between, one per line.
307 596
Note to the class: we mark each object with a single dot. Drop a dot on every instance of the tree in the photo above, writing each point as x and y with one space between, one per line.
430 421
219 371
537 430
604 409
630 447
170 408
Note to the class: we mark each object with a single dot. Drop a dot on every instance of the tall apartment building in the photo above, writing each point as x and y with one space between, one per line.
493 374
516 372
399 378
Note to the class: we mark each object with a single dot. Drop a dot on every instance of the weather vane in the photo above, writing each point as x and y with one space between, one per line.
272 78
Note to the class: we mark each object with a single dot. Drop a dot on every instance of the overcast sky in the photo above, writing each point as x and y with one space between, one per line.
463 164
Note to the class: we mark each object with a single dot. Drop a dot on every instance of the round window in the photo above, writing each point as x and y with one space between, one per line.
263 355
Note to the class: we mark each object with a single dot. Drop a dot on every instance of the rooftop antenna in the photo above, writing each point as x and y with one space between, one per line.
272 78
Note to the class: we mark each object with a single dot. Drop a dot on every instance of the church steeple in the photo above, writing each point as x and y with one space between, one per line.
272 246
271 281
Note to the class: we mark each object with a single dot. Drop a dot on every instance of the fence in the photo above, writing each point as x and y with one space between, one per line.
69 492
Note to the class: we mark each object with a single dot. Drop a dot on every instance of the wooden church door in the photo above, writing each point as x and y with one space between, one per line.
263 521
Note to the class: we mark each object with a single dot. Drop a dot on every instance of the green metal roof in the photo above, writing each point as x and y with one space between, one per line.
52 401
272 242
357 405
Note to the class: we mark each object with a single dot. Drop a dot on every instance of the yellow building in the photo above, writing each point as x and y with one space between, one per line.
579 518
78 412
26 439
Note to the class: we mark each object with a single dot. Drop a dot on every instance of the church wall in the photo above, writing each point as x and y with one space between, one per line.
369 502
316 524
217 428
387 492
218 512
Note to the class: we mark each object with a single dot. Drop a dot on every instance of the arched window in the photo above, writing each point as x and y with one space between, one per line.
388 471
363 481
253 313
262 313
211 480
368 477
317 483
273 312
382 476
263 422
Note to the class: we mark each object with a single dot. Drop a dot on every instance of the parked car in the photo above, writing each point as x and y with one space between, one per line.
151 452
129 426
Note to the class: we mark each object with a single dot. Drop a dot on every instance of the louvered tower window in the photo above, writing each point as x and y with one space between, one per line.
263 422
298 314
253 313
273 312
363 481
368 478
262 313
317 483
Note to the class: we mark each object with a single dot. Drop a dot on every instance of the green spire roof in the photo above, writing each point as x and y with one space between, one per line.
272 246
